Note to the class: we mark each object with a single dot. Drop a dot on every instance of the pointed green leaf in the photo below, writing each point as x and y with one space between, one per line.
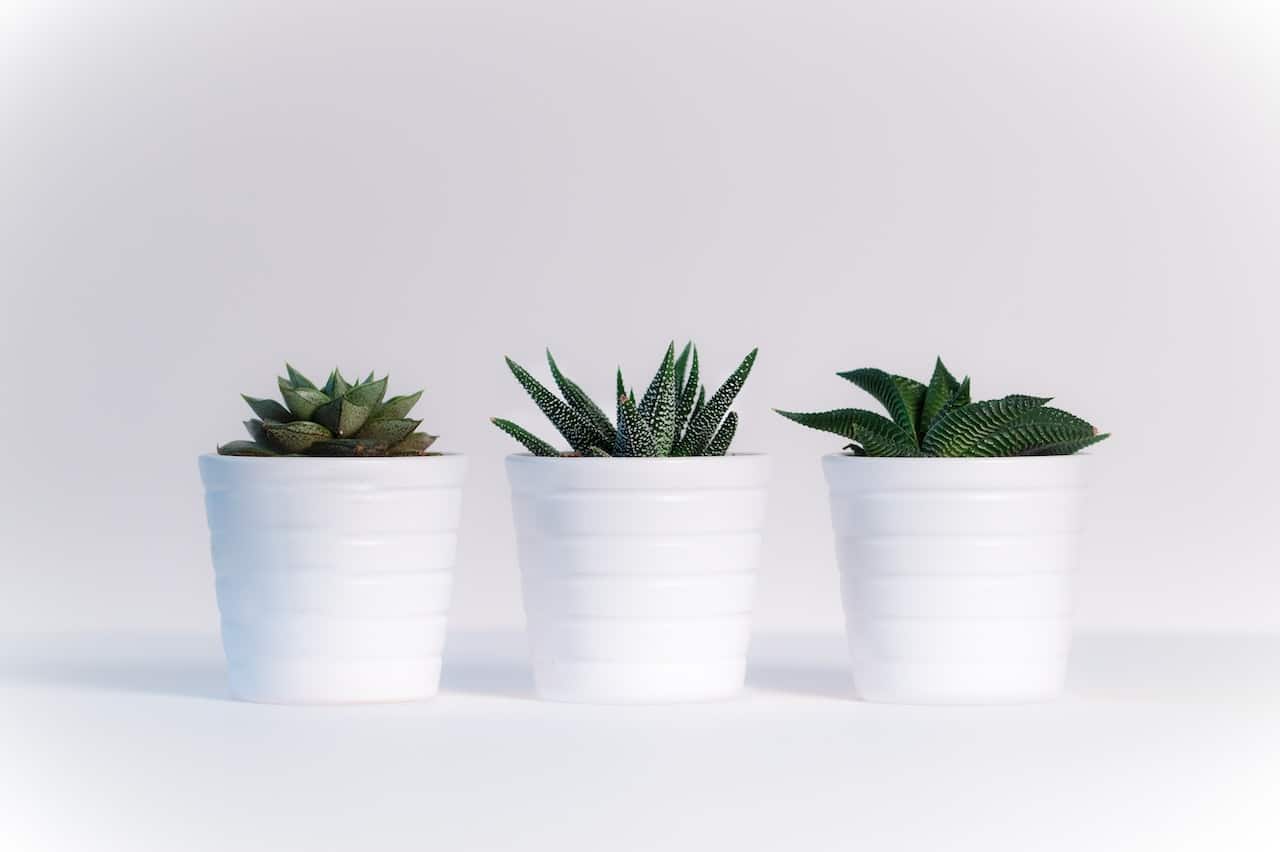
297 379
958 431
941 386
369 395
396 407
620 441
958 399
878 435
245 448
682 363
913 397
340 385
720 443
649 400
690 393
303 401
901 397
702 426
342 417
658 407
255 430
268 409
388 431
633 430
606 435
414 445
1033 429
369 378
573 426
531 442
296 436
1024 438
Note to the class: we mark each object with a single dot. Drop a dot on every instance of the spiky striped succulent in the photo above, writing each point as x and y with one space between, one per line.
939 419
339 419
673 418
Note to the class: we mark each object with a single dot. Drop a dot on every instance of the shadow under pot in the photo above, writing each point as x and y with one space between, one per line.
638 574
333 574
956 574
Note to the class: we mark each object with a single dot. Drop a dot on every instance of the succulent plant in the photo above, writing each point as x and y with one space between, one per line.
673 418
339 419
939 419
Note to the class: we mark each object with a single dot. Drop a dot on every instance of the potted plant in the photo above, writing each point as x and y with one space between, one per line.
333 536
638 548
956 524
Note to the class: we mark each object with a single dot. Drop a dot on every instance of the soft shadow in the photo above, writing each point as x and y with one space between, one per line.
817 682
812 664
505 680
176 678
487 662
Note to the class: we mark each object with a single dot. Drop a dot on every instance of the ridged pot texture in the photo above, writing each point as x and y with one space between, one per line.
956 574
638 573
333 574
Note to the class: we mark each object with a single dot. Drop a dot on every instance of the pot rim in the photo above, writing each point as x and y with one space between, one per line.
530 458
313 459
985 460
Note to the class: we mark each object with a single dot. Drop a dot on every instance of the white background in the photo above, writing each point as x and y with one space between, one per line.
1076 199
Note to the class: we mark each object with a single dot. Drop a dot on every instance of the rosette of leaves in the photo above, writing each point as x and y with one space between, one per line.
674 417
940 419
340 418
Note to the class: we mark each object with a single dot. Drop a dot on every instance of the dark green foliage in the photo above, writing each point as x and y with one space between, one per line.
605 434
902 397
296 436
720 443
396 407
634 432
704 423
941 388
268 409
877 434
246 448
673 417
940 419
659 404
338 419
532 442
575 427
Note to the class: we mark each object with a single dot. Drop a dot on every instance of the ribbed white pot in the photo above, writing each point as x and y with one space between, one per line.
333 574
956 574
638 573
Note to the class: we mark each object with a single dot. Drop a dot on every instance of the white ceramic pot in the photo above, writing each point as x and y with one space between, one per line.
333 574
638 573
956 574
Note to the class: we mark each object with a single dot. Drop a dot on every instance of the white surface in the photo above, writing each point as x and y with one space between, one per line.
639 574
1070 198
333 574
1163 742
956 574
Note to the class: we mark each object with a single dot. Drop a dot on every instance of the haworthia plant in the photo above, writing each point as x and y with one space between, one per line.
672 418
940 419
341 418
